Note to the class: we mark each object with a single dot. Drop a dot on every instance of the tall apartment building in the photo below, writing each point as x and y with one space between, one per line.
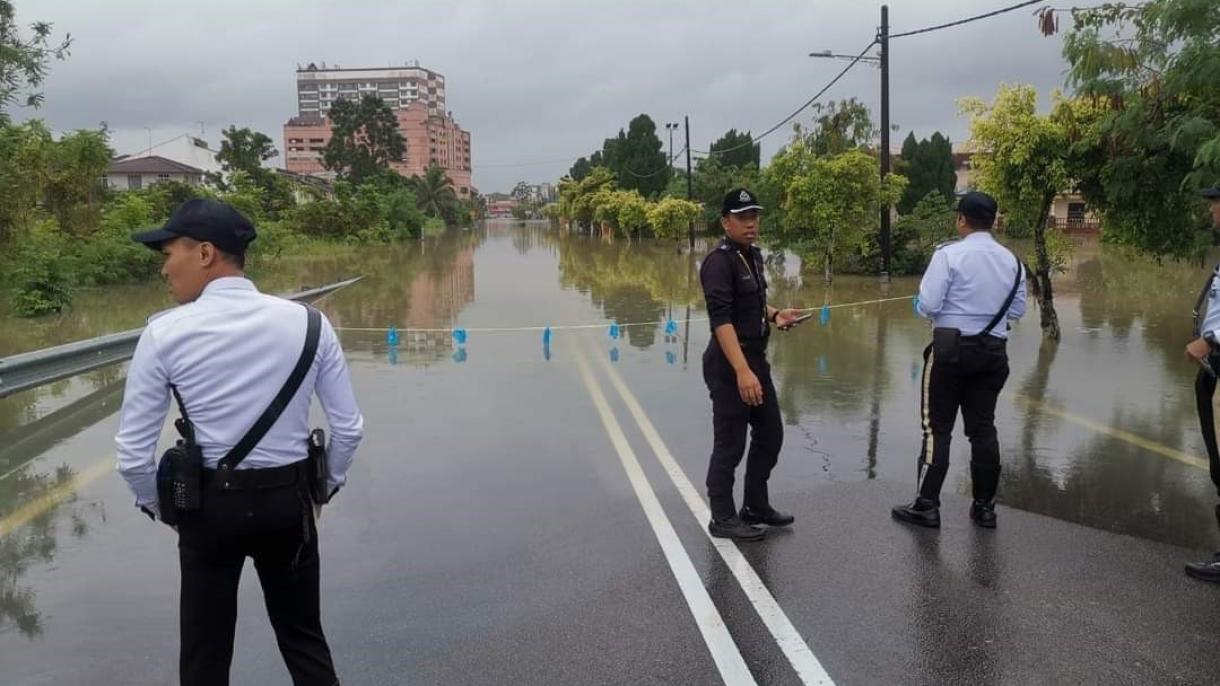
416 95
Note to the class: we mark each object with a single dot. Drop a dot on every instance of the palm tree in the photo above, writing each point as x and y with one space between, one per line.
434 192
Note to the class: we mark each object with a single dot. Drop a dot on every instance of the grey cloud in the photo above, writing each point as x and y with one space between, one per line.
530 80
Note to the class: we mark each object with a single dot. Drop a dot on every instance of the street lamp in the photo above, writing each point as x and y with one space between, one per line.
671 128
882 61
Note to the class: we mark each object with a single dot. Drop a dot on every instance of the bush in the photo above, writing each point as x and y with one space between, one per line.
402 215
434 226
42 276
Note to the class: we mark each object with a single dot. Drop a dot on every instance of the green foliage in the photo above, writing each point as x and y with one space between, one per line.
42 278
1150 72
402 214
1023 161
434 226
635 157
580 169
39 172
915 235
839 127
736 150
671 217
244 150
365 139
830 203
436 197
928 167
109 255
713 179
23 61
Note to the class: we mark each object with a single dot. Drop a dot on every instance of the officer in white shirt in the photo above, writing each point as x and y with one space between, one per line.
971 290
1206 350
228 350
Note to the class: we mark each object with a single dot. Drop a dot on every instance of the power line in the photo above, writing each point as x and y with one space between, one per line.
654 173
800 109
967 20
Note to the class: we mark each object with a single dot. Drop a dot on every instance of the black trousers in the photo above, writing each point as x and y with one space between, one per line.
268 517
731 418
1205 389
971 384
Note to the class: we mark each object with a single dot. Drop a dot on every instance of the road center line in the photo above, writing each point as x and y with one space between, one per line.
728 659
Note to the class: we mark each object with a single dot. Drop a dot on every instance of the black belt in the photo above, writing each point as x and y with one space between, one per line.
255 479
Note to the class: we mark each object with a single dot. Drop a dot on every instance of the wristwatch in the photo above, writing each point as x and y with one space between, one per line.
1210 337
773 317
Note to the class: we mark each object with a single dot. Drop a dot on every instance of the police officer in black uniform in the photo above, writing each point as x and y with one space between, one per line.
1205 349
737 374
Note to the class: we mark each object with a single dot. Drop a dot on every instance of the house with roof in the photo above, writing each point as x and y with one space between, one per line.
134 173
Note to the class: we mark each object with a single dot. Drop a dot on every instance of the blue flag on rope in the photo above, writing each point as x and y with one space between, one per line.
671 328
546 336
459 336
614 330
391 337
915 305
824 315
546 350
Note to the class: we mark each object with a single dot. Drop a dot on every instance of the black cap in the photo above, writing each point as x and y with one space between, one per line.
1212 193
978 207
739 200
204 220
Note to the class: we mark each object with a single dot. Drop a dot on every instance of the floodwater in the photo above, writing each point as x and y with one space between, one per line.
478 451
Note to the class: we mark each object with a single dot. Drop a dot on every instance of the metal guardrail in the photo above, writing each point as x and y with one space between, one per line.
30 370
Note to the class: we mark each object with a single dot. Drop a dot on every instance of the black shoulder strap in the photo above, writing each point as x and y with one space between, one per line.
1202 299
183 424
312 332
1012 294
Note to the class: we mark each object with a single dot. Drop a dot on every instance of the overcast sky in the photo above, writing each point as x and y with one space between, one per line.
531 80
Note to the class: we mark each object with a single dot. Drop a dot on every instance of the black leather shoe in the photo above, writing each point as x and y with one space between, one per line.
769 516
1207 571
923 512
983 514
734 528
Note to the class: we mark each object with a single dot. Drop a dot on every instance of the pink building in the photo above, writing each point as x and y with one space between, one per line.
417 97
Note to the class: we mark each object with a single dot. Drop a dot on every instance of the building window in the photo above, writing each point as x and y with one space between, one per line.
1076 212
135 182
163 177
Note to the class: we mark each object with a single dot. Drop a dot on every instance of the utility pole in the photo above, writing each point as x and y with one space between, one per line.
671 127
883 38
690 191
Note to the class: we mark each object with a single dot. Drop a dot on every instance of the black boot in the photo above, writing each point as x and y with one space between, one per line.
768 515
1210 569
923 512
734 528
982 512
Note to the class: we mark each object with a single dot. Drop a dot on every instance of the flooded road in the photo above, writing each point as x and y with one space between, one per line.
490 533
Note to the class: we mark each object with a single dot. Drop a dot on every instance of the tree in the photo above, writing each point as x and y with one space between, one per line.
580 170
713 178
23 61
736 150
61 176
244 150
839 127
929 167
636 157
1021 159
1151 70
364 139
435 194
831 202
671 217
